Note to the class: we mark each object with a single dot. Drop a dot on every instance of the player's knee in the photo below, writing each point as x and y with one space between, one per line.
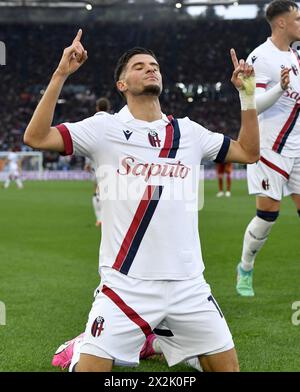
91 368
269 216
232 363
91 363
235 367
226 361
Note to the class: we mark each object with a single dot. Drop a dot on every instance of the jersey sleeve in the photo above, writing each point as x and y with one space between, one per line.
262 73
266 99
83 137
213 146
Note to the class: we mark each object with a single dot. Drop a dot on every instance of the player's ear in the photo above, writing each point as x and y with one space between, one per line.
121 86
281 22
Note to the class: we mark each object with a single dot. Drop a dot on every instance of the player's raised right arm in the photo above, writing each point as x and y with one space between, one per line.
39 132
246 148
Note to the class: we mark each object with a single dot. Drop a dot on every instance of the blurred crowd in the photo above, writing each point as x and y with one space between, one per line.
194 58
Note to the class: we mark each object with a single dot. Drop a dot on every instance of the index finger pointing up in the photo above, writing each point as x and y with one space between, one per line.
78 36
234 58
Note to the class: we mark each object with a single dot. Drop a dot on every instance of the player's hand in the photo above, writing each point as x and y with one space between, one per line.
285 78
243 75
73 57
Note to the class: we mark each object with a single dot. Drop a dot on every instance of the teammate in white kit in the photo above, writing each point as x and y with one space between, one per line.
90 167
277 173
14 169
102 107
150 256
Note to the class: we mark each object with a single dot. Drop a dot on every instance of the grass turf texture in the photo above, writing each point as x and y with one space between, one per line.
48 270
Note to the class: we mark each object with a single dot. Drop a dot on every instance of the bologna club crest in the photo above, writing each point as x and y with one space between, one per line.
154 139
97 326
265 184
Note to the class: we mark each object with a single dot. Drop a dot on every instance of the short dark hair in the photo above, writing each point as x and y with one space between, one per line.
278 7
123 60
103 105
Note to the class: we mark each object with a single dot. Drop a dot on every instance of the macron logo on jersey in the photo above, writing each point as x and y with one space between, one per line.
127 134
130 166
295 70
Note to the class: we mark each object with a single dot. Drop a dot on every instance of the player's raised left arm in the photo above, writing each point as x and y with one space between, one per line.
39 132
246 148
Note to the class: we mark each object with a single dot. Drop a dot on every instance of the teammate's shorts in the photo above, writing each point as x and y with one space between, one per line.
183 314
274 176
222 168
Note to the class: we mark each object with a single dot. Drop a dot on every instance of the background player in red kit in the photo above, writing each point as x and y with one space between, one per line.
224 169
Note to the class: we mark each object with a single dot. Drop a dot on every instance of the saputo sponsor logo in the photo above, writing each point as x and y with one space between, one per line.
293 94
127 181
129 165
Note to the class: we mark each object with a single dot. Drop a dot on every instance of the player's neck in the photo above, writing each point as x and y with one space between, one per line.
144 108
280 41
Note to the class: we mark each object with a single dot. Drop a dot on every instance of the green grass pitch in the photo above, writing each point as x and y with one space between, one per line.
48 272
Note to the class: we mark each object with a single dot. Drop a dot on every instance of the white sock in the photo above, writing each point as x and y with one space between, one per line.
6 184
255 236
97 207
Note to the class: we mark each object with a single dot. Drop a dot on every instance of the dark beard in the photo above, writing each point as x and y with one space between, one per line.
152 90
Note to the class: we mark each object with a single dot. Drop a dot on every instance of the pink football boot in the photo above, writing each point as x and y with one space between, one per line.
63 355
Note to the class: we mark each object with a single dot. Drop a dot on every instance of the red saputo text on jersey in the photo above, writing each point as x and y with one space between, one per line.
130 166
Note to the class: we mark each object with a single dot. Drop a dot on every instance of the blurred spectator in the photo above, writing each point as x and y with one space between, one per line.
196 54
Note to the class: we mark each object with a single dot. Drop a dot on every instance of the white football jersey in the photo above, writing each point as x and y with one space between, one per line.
88 161
279 125
12 161
148 174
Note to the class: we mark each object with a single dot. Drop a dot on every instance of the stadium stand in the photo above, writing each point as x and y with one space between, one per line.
195 53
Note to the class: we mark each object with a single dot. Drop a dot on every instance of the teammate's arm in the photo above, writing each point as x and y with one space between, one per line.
246 148
39 133
266 99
